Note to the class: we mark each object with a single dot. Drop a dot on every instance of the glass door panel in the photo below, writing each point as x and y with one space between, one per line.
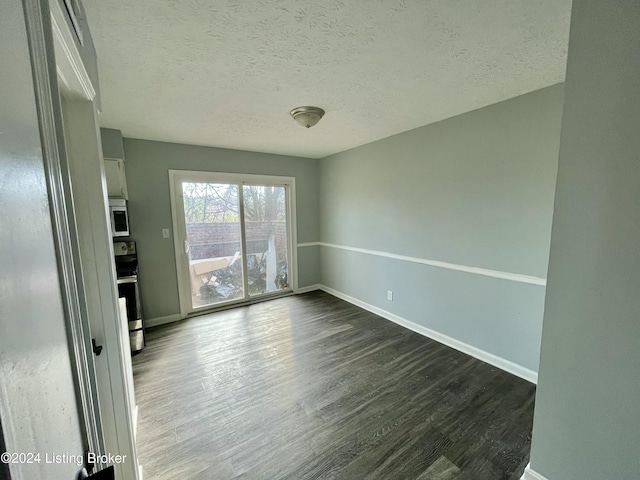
266 234
213 242
233 237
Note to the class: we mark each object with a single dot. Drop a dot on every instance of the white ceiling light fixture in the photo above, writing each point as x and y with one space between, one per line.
307 116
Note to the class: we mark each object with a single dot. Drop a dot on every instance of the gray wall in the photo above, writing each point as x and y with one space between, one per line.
474 190
587 417
38 396
147 164
112 146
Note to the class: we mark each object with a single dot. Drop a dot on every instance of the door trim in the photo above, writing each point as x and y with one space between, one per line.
243 243
184 285
43 65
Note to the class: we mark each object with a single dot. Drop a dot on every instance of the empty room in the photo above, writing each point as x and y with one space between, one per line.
320 240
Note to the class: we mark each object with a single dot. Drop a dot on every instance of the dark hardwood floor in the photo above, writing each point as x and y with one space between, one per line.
311 387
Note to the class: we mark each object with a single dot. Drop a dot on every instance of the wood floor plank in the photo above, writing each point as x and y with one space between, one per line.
441 469
311 387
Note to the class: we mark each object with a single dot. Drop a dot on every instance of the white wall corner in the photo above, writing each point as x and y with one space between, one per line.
530 474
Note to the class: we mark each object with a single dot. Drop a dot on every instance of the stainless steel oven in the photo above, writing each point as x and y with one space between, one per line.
129 289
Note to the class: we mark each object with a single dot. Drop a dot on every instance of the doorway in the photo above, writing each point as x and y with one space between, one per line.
234 238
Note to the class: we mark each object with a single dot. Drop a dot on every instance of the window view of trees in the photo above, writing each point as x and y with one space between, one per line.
214 203
212 216
210 202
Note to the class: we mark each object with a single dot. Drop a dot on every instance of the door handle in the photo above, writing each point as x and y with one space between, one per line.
187 247
97 349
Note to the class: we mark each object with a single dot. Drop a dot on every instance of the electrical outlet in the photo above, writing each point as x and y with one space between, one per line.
390 295
165 233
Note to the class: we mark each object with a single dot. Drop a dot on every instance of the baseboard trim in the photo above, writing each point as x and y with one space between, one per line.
499 362
532 474
309 288
157 321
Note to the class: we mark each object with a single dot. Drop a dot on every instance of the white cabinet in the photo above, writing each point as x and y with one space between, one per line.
116 179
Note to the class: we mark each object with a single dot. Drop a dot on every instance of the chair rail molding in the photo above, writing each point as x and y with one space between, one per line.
514 277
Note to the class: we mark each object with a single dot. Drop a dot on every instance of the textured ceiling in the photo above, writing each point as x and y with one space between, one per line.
226 73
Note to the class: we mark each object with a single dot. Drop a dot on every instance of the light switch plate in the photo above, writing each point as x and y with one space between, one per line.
165 233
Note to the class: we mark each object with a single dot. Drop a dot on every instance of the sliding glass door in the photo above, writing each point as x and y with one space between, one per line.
213 242
233 236
267 246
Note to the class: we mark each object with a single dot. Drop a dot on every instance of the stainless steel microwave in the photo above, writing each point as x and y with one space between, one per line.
118 217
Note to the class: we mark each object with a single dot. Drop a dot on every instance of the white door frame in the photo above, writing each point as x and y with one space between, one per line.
179 229
39 35
85 250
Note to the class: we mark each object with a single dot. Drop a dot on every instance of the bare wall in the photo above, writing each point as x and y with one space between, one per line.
475 190
39 407
587 417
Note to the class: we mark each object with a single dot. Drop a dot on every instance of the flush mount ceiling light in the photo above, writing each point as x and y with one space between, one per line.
307 116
